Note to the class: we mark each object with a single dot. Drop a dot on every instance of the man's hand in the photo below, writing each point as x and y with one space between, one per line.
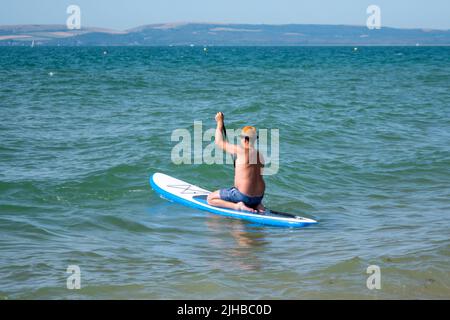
219 117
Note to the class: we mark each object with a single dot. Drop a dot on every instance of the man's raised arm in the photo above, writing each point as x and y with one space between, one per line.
219 140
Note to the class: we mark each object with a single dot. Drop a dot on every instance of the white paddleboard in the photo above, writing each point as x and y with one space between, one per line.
190 195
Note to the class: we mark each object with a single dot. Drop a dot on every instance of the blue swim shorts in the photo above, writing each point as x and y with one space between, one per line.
234 195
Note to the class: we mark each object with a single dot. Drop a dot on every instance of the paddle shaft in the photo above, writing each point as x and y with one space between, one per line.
224 131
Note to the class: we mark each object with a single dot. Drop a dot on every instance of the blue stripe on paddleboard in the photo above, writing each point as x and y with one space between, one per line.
256 218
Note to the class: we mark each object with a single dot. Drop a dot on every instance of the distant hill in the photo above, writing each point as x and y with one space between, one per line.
219 34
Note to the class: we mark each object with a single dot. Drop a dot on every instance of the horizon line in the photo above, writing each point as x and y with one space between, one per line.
179 23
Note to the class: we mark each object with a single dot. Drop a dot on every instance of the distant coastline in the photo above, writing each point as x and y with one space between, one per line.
222 34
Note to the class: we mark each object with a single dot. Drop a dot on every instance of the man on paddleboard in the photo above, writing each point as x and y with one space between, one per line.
249 186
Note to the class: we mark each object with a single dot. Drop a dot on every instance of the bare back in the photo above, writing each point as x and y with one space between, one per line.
248 173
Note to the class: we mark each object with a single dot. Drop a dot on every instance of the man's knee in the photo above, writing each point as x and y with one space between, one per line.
208 198
212 196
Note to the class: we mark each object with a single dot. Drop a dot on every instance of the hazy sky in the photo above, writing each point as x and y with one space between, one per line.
123 14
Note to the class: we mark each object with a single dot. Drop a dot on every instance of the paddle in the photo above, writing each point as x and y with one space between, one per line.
224 132
284 214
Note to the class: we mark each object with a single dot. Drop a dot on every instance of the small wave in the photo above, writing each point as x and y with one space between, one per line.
123 223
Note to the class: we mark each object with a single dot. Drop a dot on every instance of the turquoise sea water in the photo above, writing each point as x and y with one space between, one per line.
364 149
